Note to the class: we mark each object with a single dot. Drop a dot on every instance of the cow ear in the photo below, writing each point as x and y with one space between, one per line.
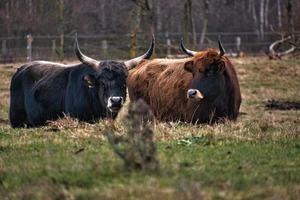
89 80
189 66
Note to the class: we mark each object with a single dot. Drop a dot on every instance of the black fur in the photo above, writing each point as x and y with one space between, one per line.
45 91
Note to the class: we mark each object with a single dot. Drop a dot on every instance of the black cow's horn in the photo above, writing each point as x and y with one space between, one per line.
83 58
185 50
133 62
221 48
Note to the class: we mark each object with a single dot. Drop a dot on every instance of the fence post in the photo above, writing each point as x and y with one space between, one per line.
29 47
4 48
168 41
169 47
104 46
61 48
238 40
53 49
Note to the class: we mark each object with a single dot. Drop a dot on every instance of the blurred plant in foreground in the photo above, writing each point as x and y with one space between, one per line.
136 147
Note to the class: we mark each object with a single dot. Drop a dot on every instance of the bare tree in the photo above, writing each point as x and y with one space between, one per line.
266 12
279 13
158 16
7 17
117 19
61 29
142 6
136 20
262 17
103 14
290 11
30 7
254 17
187 21
205 22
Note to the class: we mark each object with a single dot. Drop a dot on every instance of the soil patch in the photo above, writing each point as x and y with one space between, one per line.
282 105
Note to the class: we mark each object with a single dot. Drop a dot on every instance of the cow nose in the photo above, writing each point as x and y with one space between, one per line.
114 104
191 93
194 94
116 100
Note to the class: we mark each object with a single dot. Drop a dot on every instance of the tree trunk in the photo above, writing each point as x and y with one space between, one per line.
158 17
254 17
194 34
112 18
103 15
267 13
136 17
279 13
250 6
187 21
150 13
135 21
7 16
290 16
61 29
205 22
30 7
262 16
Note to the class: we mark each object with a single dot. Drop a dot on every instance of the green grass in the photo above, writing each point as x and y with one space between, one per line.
257 157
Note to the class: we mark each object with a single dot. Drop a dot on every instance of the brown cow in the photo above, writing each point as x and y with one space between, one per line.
200 89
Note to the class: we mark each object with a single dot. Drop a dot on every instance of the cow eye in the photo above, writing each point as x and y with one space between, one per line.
210 73
209 70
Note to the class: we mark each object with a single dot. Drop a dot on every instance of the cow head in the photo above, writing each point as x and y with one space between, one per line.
207 68
108 78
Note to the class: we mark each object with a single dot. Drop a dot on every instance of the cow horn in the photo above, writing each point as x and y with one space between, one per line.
221 48
133 62
83 58
185 50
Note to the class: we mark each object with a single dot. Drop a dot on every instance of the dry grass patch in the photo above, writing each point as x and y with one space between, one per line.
74 128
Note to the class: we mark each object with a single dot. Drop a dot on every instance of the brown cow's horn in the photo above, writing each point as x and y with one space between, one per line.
83 58
133 62
221 48
185 50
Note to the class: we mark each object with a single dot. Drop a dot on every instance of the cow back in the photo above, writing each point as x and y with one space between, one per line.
163 84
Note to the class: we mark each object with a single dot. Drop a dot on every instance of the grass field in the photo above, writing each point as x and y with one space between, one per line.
257 157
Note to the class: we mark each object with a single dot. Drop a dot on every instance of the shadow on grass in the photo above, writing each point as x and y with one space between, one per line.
282 105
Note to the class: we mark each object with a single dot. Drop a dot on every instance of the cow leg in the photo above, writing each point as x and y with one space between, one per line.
18 119
17 113
38 111
37 116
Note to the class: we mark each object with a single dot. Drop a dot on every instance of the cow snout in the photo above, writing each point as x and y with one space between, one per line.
114 103
194 94
117 100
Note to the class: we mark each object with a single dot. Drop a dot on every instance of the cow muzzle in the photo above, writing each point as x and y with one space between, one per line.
194 94
115 103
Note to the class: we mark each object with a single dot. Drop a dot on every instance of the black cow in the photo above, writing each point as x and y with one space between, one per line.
42 91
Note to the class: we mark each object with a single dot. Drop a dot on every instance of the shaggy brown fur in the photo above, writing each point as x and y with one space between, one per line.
163 84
